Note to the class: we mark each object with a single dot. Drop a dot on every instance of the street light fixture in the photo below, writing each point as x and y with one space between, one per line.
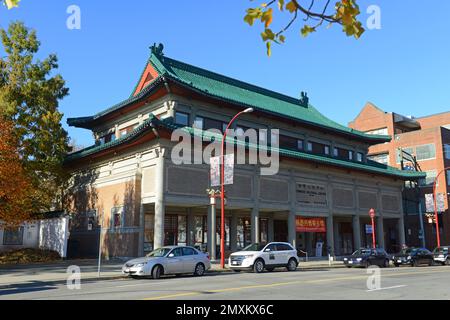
436 217
222 188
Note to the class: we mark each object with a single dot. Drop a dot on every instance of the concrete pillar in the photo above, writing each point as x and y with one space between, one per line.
233 233
270 231
190 227
141 230
309 246
330 234
356 232
292 232
159 200
380 232
337 247
256 234
401 231
212 228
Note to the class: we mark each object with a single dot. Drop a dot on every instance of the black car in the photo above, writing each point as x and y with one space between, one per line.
414 257
368 257
441 255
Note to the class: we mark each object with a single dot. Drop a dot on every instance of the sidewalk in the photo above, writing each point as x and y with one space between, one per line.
56 273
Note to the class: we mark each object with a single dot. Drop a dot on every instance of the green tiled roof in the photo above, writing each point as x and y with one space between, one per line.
153 122
236 92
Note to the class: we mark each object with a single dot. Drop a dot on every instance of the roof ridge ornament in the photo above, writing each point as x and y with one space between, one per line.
304 100
157 50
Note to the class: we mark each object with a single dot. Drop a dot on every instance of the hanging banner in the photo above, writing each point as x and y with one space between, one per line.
215 171
229 169
311 225
429 202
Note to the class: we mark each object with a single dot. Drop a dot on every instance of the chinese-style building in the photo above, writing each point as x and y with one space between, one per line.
127 183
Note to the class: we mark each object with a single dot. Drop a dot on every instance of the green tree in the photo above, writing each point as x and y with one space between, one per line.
315 14
29 98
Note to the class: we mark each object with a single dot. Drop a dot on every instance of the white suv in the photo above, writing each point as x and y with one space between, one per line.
258 257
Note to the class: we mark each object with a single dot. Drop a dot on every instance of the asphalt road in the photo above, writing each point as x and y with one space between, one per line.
320 284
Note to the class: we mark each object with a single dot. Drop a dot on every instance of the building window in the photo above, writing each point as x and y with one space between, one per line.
327 150
182 118
199 123
359 157
426 152
381 131
209 124
448 177
300 144
335 152
288 142
382 158
429 180
350 155
447 151
309 146
13 236
406 154
117 217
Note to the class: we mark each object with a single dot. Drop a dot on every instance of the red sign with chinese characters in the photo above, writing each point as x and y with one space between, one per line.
311 225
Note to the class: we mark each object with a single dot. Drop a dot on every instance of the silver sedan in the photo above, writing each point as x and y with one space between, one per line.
168 260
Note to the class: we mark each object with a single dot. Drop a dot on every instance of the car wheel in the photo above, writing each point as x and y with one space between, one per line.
366 264
386 263
258 267
157 272
292 265
199 270
447 262
431 263
396 265
415 263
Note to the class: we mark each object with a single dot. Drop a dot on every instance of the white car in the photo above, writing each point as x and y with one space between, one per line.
258 257
168 260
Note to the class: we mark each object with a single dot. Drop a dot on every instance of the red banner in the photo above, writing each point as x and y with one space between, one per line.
318 225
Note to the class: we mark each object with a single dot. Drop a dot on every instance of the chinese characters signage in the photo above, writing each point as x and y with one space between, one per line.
311 225
311 194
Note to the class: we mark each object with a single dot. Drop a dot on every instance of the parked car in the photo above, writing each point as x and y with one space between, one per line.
368 257
441 255
413 257
260 256
175 260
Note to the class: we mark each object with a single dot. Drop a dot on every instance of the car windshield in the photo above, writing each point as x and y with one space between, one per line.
362 252
254 247
441 250
161 252
408 251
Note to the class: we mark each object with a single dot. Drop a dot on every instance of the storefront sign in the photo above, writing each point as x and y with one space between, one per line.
311 225
215 171
310 194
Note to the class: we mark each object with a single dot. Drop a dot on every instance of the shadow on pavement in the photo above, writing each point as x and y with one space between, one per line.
34 286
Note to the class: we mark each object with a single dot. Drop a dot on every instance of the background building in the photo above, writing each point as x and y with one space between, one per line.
427 139
127 184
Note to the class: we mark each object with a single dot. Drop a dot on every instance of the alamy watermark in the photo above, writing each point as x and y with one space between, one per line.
251 147
74 278
73 22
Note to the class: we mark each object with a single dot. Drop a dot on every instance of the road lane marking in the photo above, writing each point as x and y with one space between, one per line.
193 293
387 288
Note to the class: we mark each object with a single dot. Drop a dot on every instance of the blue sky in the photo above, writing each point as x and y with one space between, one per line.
403 67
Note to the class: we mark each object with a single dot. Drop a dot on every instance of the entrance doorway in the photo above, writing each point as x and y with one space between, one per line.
280 230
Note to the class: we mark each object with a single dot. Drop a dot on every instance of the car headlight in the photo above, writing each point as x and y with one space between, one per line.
359 259
409 258
345 259
248 256
139 265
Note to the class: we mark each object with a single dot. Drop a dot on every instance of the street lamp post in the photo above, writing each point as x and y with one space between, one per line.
222 188
436 217
372 217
